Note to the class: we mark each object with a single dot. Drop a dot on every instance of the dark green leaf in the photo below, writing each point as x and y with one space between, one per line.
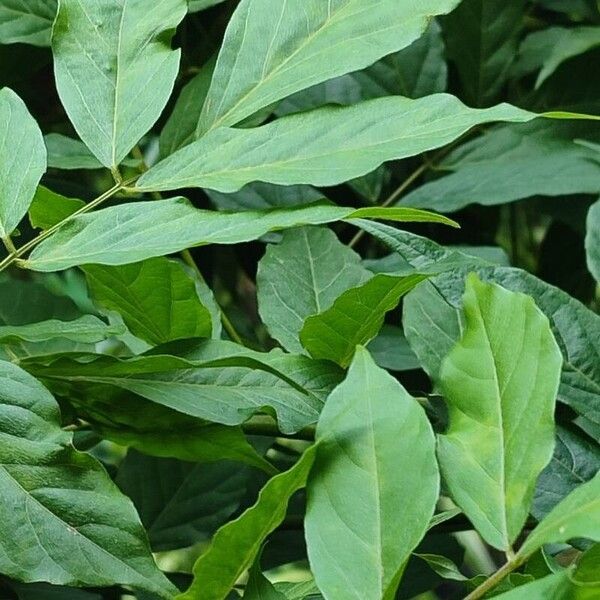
592 240
48 208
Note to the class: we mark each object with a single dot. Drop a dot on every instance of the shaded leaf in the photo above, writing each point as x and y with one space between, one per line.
592 240
67 153
49 208
260 588
500 383
22 160
302 276
115 70
236 545
181 503
375 458
391 351
27 22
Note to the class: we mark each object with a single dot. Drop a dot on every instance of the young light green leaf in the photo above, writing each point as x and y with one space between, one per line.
132 232
156 298
576 328
500 382
273 48
115 69
355 317
236 545
214 380
28 22
181 503
49 208
86 330
592 240
482 171
302 276
578 515
323 147
375 460
481 39
22 160
63 504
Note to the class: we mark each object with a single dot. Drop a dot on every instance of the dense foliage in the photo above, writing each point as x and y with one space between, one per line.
358 358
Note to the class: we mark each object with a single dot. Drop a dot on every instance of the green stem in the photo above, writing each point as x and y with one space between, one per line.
8 243
491 582
17 253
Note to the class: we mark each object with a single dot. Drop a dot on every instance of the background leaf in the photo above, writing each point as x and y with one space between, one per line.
375 459
592 240
29 22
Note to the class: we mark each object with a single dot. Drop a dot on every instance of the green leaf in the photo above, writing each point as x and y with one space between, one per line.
417 71
236 545
257 196
272 50
482 171
180 129
556 587
391 351
578 515
592 240
260 588
35 591
443 566
576 460
214 380
572 42
49 208
500 383
355 317
375 460
132 232
28 22
323 147
481 39
181 503
303 276
67 153
198 5
22 160
576 328
86 330
115 70
156 298
66 510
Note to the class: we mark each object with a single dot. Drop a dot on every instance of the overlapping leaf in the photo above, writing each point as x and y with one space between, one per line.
27 22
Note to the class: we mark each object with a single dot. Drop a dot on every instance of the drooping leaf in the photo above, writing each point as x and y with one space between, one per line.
22 160
136 231
322 147
275 48
500 383
219 381
236 545
27 21
592 240
375 460
115 69
156 298
483 171
180 129
576 460
303 276
181 503
481 39
49 208
86 330
64 506
576 328
577 516
67 153
355 317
